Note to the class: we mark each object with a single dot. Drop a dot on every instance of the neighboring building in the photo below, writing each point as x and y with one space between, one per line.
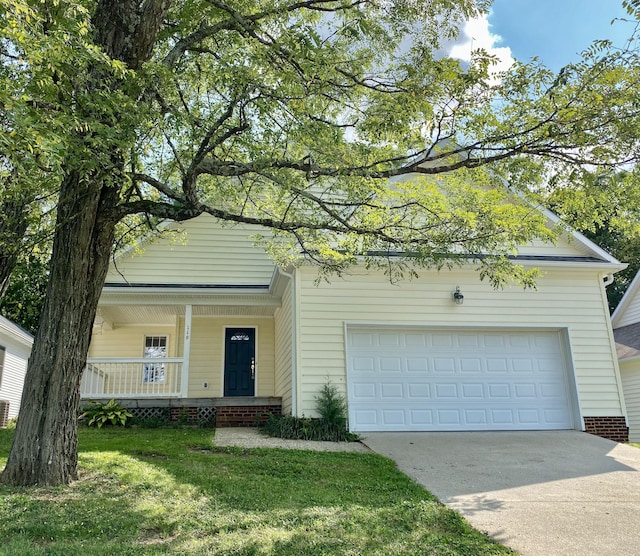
15 348
212 323
626 329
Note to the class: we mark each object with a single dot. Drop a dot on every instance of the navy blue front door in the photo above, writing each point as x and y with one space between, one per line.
239 362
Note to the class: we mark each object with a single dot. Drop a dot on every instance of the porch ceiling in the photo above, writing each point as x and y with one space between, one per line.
114 315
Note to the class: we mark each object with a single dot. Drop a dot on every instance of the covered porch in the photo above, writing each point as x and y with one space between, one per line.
193 350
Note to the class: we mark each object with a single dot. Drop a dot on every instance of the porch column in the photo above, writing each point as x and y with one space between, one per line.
186 353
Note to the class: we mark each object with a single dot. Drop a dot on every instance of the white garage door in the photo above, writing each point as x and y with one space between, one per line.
402 379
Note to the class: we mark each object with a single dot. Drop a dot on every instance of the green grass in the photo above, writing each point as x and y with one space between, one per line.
159 491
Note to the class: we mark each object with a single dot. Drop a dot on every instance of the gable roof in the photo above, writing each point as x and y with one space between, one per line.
582 242
628 310
221 255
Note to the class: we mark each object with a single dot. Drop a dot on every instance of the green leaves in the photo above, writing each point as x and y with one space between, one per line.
295 116
99 414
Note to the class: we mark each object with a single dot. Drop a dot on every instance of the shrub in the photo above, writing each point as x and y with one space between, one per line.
331 426
111 413
331 406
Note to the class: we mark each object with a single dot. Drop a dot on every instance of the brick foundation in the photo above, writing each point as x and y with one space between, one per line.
184 413
223 412
236 416
613 428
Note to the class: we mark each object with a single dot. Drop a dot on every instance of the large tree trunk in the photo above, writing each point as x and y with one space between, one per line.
45 446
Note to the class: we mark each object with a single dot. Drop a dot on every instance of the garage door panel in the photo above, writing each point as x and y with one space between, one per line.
469 341
495 342
389 340
476 417
391 391
391 364
416 340
442 390
502 418
419 391
522 365
497 366
421 417
456 380
417 365
524 390
363 364
471 365
550 366
363 391
444 365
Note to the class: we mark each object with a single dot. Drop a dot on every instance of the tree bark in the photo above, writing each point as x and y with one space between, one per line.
45 446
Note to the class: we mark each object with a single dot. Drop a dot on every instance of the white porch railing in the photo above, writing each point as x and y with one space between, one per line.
132 378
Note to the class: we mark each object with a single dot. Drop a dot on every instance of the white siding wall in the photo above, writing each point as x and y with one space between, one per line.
283 341
17 345
205 253
563 300
630 373
15 367
631 314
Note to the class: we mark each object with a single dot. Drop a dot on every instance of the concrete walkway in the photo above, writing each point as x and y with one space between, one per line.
251 438
540 493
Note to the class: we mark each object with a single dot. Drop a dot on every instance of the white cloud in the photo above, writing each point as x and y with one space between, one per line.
476 34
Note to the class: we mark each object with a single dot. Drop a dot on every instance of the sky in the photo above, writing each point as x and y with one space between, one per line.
554 30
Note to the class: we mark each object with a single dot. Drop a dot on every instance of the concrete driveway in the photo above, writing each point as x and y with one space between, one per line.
540 493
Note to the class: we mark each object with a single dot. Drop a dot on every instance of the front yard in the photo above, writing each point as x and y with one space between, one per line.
155 491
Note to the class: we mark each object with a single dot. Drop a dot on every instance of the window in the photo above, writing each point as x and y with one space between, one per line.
1 363
155 347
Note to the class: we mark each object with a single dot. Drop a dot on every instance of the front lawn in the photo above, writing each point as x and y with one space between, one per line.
157 491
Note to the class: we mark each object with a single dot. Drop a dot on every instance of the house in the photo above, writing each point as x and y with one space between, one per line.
15 348
626 330
208 324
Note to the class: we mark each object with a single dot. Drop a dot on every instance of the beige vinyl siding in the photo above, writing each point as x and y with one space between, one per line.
571 300
207 354
128 341
630 374
283 344
564 246
206 252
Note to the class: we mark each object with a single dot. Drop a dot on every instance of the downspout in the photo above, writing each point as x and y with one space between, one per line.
294 344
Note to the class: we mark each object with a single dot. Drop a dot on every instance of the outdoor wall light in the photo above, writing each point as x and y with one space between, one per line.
458 298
